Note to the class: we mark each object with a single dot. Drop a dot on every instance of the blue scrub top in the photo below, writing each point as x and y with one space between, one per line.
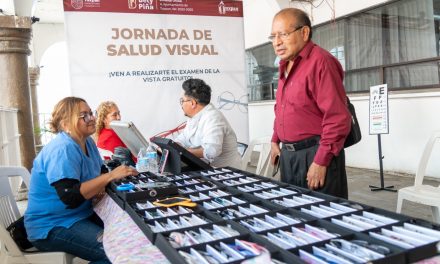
62 158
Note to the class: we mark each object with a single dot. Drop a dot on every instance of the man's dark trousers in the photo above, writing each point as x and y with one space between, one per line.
295 164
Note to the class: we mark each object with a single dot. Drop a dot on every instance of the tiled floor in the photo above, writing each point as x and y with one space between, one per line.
358 187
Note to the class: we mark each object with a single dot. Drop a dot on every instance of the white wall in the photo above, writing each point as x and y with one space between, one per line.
23 8
45 35
412 118
261 116
258 15
8 7
342 7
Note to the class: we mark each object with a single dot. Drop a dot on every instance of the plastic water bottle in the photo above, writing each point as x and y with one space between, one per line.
153 165
142 164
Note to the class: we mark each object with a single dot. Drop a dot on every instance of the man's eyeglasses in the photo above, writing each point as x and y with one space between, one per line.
183 101
86 116
283 36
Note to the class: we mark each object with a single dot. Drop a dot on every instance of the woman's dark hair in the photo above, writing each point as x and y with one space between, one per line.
197 89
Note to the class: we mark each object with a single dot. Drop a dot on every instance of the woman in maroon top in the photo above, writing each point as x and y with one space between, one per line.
106 138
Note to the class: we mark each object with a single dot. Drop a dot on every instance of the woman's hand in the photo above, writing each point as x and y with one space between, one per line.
91 188
122 172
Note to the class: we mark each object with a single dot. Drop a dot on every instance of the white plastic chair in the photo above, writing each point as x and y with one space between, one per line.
10 252
261 145
420 193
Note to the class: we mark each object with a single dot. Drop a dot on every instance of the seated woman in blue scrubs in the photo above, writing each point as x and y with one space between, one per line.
66 175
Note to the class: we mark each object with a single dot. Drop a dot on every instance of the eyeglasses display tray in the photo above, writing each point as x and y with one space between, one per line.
226 215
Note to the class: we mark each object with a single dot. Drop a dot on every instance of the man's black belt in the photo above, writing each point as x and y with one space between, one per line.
302 144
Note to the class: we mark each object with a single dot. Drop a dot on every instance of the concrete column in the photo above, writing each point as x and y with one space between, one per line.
34 75
15 35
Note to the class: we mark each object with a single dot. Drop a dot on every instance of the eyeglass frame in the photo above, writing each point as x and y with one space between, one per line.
284 36
375 247
357 250
230 213
181 100
87 115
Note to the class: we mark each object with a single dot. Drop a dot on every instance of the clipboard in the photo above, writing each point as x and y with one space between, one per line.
130 135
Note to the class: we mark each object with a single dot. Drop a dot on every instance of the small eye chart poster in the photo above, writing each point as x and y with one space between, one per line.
379 109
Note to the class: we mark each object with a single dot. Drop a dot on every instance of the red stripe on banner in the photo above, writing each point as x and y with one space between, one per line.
226 8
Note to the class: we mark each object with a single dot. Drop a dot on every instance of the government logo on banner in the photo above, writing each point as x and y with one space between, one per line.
132 4
222 8
141 4
77 4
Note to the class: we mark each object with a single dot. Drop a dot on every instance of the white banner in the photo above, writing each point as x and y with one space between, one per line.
139 53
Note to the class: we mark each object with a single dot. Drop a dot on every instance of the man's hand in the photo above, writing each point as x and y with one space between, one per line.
316 176
198 152
274 152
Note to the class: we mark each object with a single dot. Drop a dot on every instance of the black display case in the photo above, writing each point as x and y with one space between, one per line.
179 159
276 219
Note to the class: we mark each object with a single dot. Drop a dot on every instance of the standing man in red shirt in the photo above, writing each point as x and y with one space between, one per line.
311 115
